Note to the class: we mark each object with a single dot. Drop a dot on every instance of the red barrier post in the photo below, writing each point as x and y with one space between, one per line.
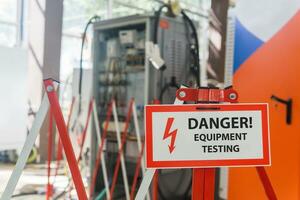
50 136
198 184
155 186
66 142
59 144
266 183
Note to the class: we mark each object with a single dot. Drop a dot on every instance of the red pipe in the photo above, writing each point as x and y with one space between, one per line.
50 135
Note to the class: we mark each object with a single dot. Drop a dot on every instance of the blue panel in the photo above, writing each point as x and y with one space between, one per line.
245 44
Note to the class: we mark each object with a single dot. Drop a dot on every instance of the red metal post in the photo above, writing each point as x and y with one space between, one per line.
59 144
209 184
66 142
155 186
266 183
198 184
203 187
50 136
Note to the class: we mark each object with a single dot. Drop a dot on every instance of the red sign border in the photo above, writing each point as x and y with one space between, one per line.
263 107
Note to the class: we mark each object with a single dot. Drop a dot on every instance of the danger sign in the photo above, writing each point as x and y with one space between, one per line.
207 135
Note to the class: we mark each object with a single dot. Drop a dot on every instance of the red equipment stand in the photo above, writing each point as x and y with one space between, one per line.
66 142
203 185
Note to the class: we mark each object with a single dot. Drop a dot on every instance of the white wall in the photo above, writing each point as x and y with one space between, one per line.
13 97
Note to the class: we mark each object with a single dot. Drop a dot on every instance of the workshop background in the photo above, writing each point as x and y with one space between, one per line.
104 50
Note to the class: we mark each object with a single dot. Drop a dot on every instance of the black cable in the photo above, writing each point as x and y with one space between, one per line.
60 195
24 194
156 22
171 84
65 190
91 21
185 194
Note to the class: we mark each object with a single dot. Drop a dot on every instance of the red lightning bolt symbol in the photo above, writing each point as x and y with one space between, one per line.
170 134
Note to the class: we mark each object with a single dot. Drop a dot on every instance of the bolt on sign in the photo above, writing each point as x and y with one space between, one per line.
207 135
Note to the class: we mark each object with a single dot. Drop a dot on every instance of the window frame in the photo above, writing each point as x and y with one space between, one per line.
17 24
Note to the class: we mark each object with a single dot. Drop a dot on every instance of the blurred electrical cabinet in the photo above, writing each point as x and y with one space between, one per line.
121 72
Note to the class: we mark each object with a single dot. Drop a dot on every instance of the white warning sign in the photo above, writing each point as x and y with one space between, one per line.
207 135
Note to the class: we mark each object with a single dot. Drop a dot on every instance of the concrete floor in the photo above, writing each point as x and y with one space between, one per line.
33 179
